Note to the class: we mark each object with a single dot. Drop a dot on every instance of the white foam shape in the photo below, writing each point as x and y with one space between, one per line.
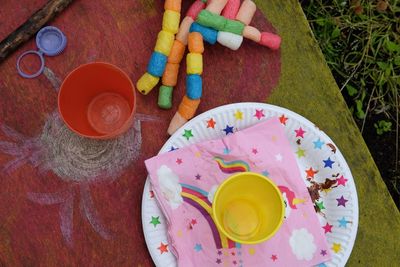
169 186
230 40
211 193
302 243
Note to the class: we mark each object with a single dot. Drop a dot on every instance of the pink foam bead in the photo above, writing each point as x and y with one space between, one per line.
231 9
270 40
195 9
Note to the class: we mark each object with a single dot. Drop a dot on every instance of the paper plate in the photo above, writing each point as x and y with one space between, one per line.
316 155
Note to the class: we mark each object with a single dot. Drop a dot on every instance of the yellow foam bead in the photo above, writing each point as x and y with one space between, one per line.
164 43
194 63
171 21
146 83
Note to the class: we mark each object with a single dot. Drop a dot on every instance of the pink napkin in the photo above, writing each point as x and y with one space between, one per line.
184 182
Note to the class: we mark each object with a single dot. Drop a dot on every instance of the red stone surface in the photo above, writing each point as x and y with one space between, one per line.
122 33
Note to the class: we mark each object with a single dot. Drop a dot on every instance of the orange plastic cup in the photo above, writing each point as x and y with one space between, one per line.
97 100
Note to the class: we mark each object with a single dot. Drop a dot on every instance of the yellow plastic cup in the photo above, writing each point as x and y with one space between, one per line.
248 208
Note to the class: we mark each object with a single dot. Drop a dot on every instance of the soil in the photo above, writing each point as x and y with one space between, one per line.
383 150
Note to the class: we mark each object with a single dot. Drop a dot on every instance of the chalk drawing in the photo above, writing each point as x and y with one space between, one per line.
76 160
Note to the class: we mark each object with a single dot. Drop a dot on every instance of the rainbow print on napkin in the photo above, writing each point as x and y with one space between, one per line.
184 182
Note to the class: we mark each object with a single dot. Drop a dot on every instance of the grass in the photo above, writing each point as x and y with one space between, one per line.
360 40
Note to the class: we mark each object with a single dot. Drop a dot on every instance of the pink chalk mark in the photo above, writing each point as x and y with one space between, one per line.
89 211
50 198
146 117
11 133
66 219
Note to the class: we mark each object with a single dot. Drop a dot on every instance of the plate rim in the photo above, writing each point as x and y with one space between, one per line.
278 109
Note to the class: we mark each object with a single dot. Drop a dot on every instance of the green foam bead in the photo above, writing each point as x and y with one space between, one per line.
165 97
211 20
234 26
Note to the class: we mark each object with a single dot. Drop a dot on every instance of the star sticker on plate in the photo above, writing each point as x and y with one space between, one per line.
155 221
259 114
188 134
318 144
163 248
254 151
342 181
341 201
300 152
179 161
283 119
328 228
274 257
228 130
310 173
336 247
343 222
323 252
300 132
238 115
211 123
328 163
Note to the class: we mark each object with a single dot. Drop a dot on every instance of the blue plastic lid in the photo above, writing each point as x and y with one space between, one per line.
51 41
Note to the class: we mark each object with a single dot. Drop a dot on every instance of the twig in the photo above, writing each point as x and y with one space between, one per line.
31 26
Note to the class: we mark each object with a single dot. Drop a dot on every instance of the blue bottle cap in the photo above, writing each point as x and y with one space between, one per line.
51 41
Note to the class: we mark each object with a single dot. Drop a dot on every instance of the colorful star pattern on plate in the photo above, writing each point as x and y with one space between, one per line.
163 248
300 132
303 139
259 114
188 134
310 173
179 161
211 123
336 247
328 163
343 222
318 144
300 152
172 149
155 221
151 194
341 201
328 228
238 115
320 205
228 130
283 119
342 181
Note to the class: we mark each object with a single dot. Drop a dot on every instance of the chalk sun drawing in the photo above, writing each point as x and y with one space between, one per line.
78 161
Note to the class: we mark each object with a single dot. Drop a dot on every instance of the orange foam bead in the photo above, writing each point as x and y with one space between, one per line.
184 28
246 12
170 76
188 107
216 6
174 5
196 44
177 52
252 33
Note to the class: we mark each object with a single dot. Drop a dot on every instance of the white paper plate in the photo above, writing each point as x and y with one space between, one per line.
318 147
